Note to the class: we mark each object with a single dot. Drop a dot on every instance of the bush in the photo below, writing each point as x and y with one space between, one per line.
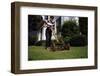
78 40
69 29
39 43
67 39
70 33
34 22
32 39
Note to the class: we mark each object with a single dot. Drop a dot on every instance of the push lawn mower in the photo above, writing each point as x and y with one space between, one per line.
58 44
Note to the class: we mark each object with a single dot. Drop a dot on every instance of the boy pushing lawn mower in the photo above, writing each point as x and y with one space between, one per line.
52 45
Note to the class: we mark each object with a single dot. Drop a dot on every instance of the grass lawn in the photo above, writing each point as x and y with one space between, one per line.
40 53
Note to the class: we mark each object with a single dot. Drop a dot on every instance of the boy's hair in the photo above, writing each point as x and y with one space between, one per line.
52 17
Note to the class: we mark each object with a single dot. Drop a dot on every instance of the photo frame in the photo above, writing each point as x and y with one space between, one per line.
19 37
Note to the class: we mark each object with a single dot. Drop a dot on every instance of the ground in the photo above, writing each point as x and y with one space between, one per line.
40 53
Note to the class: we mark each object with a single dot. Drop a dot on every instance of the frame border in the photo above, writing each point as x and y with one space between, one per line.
15 37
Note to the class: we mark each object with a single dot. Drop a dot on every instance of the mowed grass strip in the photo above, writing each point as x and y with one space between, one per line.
40 53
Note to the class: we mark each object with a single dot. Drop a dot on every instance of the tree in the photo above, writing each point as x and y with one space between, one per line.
71 32
34 24
83 25
70 28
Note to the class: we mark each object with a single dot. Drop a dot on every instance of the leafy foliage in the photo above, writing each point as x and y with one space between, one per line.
78 40
71 34
69 29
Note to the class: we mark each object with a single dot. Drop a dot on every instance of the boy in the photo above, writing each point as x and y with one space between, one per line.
50 27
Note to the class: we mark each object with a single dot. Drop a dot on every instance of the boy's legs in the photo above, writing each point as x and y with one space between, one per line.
48 38
49 41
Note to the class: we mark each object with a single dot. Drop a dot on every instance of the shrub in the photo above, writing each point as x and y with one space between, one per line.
78 40
69 28
32 39
70 33
67 39
39 43
34 22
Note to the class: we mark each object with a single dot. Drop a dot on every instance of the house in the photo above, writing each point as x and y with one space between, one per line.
59 21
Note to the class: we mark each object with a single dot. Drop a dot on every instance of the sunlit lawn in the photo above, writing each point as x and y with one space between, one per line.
40 53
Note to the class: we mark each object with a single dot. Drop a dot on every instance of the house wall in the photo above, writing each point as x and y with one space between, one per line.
41 35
